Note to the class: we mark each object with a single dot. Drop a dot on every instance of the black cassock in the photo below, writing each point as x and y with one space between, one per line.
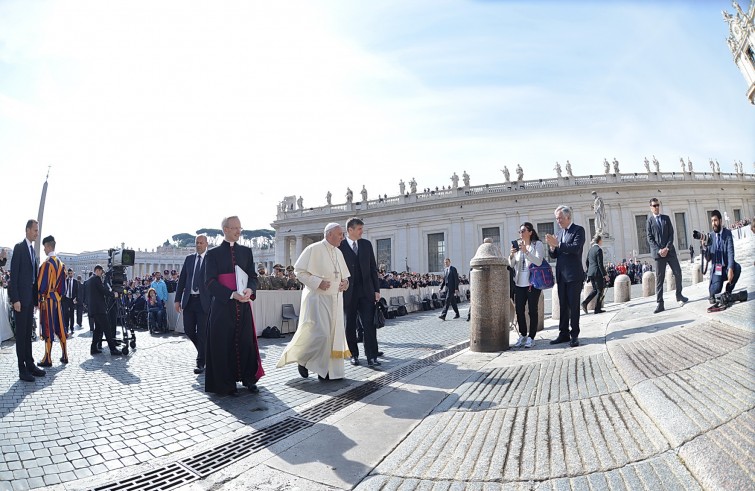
231 336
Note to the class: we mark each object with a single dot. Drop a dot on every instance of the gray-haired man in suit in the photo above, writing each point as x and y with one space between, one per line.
660 232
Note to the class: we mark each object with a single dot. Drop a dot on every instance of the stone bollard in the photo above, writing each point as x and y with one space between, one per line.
541 312
585 292
491 317
669 282
648 284
697 273
555 305
622 289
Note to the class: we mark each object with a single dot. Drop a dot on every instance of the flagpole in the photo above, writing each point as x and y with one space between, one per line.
41 213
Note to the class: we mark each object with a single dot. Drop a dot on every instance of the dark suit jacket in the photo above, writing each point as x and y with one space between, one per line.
75 289
658 240
450 280
95 295
23 276
595 262
186 279
569 254
722 253
365 277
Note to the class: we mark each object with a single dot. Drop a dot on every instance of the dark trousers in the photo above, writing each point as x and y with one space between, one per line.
529 296
660 275
102 326
195 327
568 300
24 328
450 301
364 307
717 281
599 290
79 313
90 319
68 312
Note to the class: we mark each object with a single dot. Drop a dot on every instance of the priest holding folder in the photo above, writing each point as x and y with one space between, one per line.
232 351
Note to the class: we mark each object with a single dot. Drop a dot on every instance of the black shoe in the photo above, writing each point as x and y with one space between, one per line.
457 316
44 364
254 389
37 372
712 300
442 317
303 371
233 392
199 370
559 340
373 363
574 343
584 307
25 376
599 311
354 361
682 300
64 359
659 308
321 379
95 351
380 353
115 352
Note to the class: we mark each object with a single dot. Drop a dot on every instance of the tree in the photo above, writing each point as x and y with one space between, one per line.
211 233
184 240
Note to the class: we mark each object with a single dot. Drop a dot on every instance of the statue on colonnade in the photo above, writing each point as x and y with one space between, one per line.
349 195
519 173
600 214
328 197
454 181
647 165
465 178
401 186
413 186
557 168
506 174
568 169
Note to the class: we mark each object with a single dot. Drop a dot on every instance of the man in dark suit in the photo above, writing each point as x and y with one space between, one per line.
597 275
363 292
23 293
660 233
98 312
79 304
193 299
70 299
718 248
566 246
450 285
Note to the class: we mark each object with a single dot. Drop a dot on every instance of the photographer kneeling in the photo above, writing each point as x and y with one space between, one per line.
718 249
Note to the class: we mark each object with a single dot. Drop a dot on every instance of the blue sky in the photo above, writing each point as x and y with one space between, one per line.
162 117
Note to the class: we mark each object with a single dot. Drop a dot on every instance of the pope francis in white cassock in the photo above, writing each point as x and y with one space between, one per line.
319 343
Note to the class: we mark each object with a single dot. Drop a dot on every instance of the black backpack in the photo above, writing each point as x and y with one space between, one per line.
271 332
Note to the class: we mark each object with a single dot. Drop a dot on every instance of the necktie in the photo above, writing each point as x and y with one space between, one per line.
660 223
355 247
195 280
33 258
70 288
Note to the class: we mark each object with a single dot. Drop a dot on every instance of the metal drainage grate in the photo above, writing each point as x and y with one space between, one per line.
211 461
214 459
166 478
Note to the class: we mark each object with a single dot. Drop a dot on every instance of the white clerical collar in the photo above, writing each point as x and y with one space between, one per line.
51 254
230 243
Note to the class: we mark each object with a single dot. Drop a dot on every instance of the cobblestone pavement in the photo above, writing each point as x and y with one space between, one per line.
647 402
103 413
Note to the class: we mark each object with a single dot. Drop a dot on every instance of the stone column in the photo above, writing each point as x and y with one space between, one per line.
541 312
622 289
669 283
585 292
697 273
648 284
299 247
490 318
555 305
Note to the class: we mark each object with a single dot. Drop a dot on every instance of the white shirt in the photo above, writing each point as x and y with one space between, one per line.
522 259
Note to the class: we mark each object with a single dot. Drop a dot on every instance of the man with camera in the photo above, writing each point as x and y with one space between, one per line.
718 248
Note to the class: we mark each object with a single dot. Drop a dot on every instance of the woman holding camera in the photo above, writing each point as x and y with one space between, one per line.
525 251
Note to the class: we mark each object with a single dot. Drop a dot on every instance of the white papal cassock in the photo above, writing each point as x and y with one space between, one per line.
319 343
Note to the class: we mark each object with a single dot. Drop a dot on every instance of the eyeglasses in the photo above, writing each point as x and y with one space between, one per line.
655 205
523 230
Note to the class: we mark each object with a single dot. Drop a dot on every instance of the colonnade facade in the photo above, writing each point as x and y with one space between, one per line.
415 231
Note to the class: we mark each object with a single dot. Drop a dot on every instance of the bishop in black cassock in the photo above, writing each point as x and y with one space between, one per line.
232 353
